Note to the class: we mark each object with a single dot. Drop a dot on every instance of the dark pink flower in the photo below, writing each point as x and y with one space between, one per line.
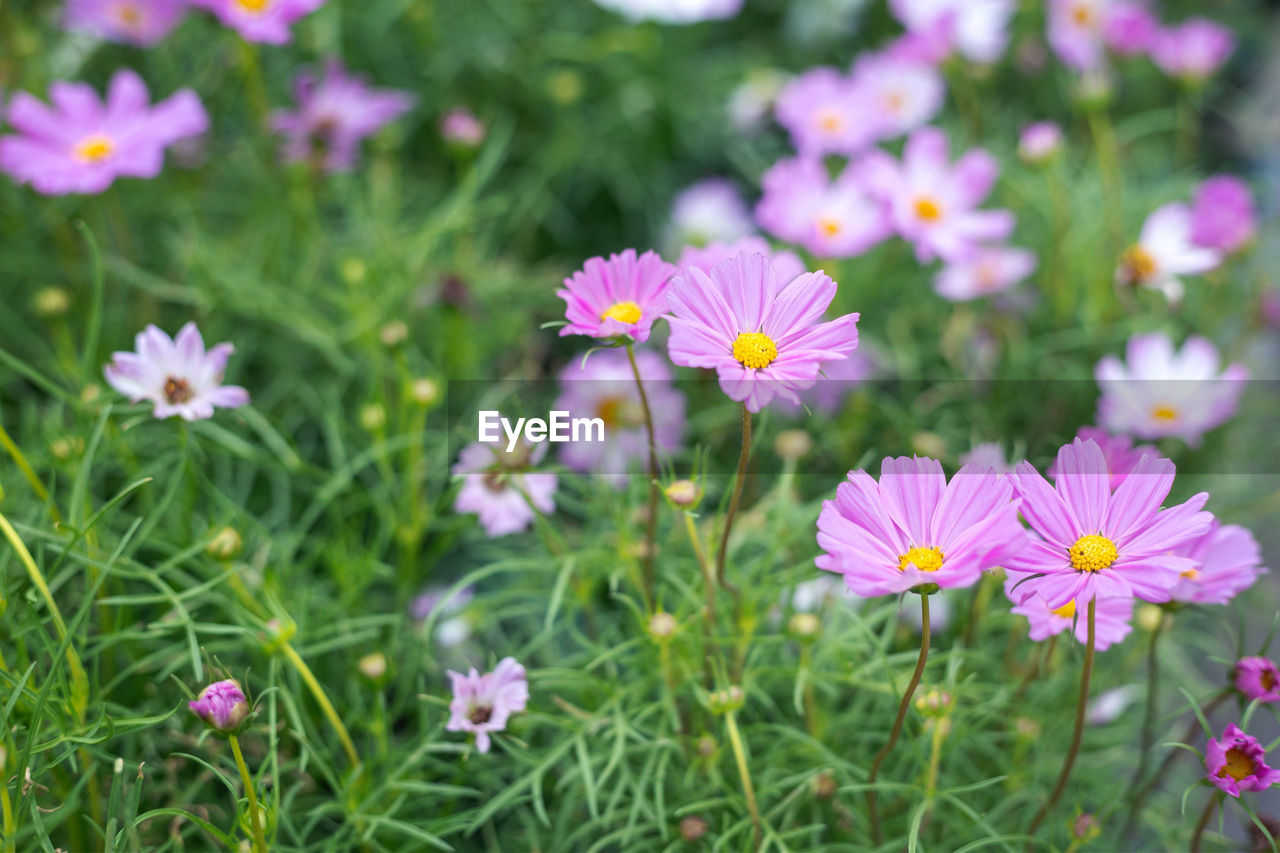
222 705
1237 762
1258 679
1130 28
1223 215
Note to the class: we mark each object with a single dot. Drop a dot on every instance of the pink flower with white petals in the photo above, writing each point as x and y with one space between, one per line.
1165 251
1111 617
266 21
483 704
617 298
831 219
932 203
1193 50
81 144
176 374
787 265
826 113
1075 32
1223 216
898 94
1230 561
991 269
978 30
138 22
1159 392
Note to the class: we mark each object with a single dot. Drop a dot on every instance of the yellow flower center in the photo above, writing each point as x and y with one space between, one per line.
253 6
130 16
1164 413
1067 610
1138 264
1081 14
928 209
623 312
1190 574
1239 765
894 101
1093 553
95 148
924 559
177 390
828 226
830 121
755 350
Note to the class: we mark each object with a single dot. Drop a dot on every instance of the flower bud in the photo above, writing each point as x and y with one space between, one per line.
804 626
706 746
724 701
424 391
792 444
393 333
1148 617
934 703
692 828
1085 827
277 634
373 666
223 706
1040 142
225 544
662 626
684 493
353 271
373 417
50 302
824 785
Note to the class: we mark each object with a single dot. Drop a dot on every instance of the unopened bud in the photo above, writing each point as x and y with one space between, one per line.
225 544
50 302
824 785
692 828
353 271
1085 827
394 333
373 417
424 391
373 666
929 444
934 703
662 625
684 493
792 444
706 746
223 706
805 625
724 701
1149 617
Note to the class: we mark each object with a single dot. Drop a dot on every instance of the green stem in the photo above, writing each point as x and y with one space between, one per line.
1149 713
255 819
1203 823
24 466
896 731
651 523
5 805
738 482
740 756
325 705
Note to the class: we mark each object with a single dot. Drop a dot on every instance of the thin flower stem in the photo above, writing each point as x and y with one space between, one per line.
709 582
255 819
6 807
24 466
1149 714
740 756
651 523
325 705
1078 732
896 731
739 480
1203 823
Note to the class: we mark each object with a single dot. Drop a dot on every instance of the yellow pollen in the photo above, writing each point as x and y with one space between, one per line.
254 6
755 350
828 227
1093 553
177 390
1164 413
1190 574
928 209
1239 765
130 15
1138 264
924 559
894 101
1082 14
1067 610
95 148
623 312
830 121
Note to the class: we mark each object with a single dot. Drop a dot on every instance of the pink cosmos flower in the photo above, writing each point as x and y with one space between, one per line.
1223 215
266 21
1119 452
787 265
139 22
1229 561
1096 543
616 298
673 11
831 219
826 113
1237 762
81 144
898 94
605 388
762 339
460 126
222 705
1193 50
978 30
176 374
991 269
1159 392
932 203
1258 679
1130 28
1075 32
1111 617
334 113
913 528
1040 142
483 703
498 486
710 211
1165 250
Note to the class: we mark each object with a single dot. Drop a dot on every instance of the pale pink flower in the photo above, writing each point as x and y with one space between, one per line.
501 488
898 94
618 297
989 455
826 113
484 703
1223 216
176 374
139 22
1075 31
978 30
1229 562
991 269
1193 50
266 21
831 219
1119 452
1165 251
1130 28
1111 618
710 211
787 265
460 126
1040 142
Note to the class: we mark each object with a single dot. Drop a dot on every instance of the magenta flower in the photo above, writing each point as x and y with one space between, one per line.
934 204
483 703
605 388
176 374
898 94
1228 562
1119 452
1111 617
499 486
763 340
139 22
787 265
831 219
1258 679
81 144
1040 142
913 528
266 21
617 298
1130 28
1193 50
1161 393
1096 543
1237 762
222 705
460 127
825 113
334 113
710 211
978 30
991 269
1223 215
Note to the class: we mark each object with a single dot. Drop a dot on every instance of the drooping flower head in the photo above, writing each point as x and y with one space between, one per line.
990 270
605 388
1237 762
1158 392
1111 617
460 127
913 528
335 112
826 113
266 21
1096 543
786 264
1119 452
222 705
978 30
176 374
499 486
483 703
898 94
831 219
618 297
1223 215
1193 50
673 11
138 22
932 203
1165 251
1040 141
710 211
763 338
82 144
1258 678
1228 562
